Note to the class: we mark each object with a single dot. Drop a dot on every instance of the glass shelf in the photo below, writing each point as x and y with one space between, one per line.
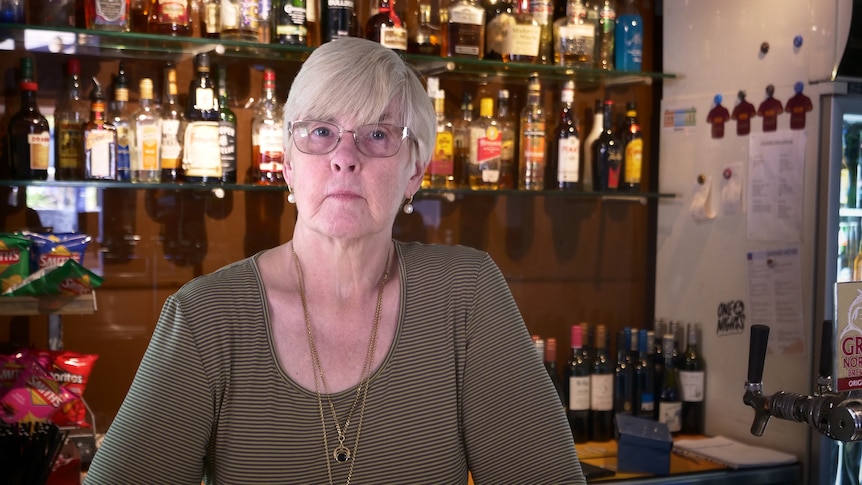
48 305
132 45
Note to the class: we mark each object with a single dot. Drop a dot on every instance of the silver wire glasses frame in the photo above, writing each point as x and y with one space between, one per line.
380 140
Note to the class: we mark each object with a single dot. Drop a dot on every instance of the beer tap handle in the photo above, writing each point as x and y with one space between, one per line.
824 381
757 353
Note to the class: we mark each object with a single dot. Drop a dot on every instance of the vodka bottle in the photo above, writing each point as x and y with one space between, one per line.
146 137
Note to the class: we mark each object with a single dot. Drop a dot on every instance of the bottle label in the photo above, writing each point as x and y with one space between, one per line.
465 14
568 159
577 40
602 392
614 160
211 18
173 12
340 17
542 11
40 147
634 161
647 403
292 19
579 393
148 145
204 99
691 384
201 157
110 12
171 146
227 146
442 161
393 37
485 153
670 413
123 155
522 40
271 149
99 145
495 33
68 144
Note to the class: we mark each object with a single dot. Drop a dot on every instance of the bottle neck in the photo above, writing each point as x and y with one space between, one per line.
73 91
28 100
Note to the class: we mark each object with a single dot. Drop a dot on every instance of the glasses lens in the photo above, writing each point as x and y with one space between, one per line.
380 140
314 137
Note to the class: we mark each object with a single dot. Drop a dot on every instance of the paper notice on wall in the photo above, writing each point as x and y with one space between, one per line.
776 163
848 335
775 297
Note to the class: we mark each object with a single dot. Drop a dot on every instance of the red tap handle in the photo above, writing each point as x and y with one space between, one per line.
757 352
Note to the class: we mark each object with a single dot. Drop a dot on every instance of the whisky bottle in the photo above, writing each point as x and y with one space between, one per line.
289 18
337 19
543 12
201 152
267 133
607 153
606 35
486 142
424 38
226 129
521 41
442 167
464 30
120 117
69 118
386 28
461 130
499 17
28 134
146 137
210 19
170 17
107 14
508 130
633 146
531 163
574 37
564 169
99 140
240 20
173 126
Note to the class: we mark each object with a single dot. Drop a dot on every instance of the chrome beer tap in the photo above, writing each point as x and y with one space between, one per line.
834 415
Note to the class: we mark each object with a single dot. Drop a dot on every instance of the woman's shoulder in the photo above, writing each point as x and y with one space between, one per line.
229 280
424 251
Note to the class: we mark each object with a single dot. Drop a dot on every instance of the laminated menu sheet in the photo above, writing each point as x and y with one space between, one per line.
731 453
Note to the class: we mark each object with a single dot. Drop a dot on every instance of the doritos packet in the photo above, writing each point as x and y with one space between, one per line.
14 260
72 371
54 249
70 279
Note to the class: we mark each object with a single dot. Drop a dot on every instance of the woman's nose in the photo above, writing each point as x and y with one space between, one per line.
346 154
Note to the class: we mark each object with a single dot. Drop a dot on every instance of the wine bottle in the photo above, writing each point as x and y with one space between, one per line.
564 168
602 389
550 361
578 384
386 27
121 118
267 134
531 163
670 404
624 375
644 376
290 22
692 378
146 137
29 136
607 153
201 151
69 118
226 130
173 126
633 146
99 139
486 143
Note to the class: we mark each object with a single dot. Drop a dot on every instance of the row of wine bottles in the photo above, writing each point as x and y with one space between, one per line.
650 378
496 150
166 143
580 33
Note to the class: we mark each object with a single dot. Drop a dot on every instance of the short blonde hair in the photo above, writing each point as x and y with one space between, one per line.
357 77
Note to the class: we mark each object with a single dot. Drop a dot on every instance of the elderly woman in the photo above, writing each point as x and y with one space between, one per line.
344 356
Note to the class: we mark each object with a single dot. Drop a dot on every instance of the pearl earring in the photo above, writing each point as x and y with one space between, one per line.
408 206
290 197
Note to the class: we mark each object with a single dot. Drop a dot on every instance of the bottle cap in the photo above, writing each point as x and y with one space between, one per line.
202 62
73 67
551 349
146 87
96 94
577 337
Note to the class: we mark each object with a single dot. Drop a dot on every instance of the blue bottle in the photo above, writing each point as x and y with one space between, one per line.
628 48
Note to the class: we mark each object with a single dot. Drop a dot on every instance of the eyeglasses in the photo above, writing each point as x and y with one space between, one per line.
380 140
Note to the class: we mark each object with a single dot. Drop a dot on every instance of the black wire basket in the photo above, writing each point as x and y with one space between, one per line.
29 450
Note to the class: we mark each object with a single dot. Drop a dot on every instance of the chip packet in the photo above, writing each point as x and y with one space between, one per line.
70 279
14 260
72 371
54 249
34 397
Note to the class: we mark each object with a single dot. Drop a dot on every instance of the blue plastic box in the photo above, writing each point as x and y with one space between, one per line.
643 445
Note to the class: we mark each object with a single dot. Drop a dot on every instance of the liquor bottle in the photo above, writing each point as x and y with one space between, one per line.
508 131
267 134
226 129
121 118
692 380
12 12
337 19
69 118
107 14
633 147
588 158
28 134
201 150
574 37
173 126
606 34
587 337
578 382
644 376
624 375
521 39
486 142
499 17
210 19
607 153
461 131
99 140
386 27
146 137
424 38
289 19
550 361
658 358
564 167
669 405
602 389
265 20
543 12
531 162
240 20
628 41
464 30
171 17
442 167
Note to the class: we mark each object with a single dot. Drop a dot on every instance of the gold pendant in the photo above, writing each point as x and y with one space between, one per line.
341 454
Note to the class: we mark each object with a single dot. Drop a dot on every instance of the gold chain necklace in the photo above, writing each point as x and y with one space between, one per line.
341 453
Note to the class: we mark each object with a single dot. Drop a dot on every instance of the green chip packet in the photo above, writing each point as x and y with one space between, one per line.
68 279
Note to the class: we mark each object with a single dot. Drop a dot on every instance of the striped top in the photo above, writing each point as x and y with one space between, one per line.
460 389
